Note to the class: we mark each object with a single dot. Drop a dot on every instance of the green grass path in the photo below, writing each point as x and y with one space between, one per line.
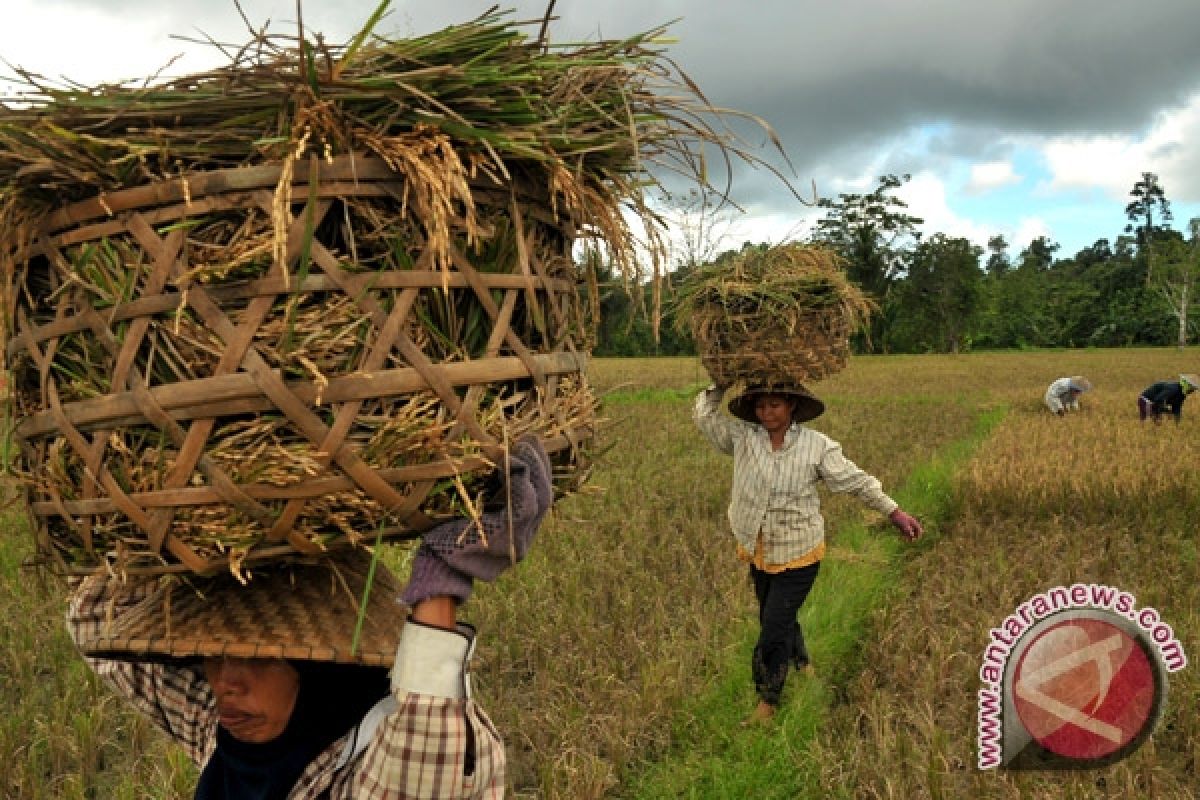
713 757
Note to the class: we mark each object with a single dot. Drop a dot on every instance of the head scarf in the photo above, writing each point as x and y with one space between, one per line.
333 698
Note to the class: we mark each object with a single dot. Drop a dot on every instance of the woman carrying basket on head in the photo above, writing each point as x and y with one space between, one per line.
775 514
260 704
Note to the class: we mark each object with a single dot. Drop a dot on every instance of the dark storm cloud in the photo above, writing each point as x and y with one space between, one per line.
840 84
844 82
1044 66
835 70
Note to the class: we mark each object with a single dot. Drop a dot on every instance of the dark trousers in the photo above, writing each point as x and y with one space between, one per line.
780 641
1145 408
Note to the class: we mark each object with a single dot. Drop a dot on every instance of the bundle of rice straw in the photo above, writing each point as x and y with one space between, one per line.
772 315
308 298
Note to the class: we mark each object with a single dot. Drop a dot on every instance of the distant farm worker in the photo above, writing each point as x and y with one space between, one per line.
1159 398
774 512
1063 394
281 689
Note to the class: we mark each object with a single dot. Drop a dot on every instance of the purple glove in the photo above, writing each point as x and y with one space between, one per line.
908 525
455 553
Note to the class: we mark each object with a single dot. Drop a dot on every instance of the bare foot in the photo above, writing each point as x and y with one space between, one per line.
761 715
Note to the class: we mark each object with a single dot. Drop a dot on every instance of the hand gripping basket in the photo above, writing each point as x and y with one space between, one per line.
236 366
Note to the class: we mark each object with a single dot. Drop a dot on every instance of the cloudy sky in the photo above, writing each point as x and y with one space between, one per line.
1014 117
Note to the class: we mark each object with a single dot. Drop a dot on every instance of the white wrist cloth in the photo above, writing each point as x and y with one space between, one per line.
433 661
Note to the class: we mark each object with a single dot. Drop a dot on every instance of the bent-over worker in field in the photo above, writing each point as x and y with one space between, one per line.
259 704
1159 398
775 513
1063 395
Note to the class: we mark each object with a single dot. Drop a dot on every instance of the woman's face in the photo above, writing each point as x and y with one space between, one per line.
255 696
774 412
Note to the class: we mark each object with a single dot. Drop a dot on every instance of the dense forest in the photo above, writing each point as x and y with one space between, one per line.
944 294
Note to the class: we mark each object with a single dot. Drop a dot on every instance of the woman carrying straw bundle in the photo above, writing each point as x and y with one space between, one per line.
302 726
775 514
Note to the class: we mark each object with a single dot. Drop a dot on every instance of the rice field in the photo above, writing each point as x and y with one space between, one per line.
614 660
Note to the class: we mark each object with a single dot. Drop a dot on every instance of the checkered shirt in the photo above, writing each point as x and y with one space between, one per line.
419 750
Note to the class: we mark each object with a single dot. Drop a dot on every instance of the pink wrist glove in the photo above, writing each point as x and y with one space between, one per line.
908 525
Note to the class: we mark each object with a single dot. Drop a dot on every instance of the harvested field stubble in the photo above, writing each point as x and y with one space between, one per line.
1095 498
634 602
631 603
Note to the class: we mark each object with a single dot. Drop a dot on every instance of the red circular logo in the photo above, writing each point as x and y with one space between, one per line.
1084 689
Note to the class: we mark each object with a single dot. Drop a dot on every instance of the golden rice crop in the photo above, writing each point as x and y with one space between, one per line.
1094 496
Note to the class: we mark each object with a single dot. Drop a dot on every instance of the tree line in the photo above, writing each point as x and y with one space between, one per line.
945 294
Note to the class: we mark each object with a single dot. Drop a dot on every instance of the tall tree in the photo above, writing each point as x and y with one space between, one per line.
874 233
998 261
1148 198
1175 275
1038 255
940 294
871 231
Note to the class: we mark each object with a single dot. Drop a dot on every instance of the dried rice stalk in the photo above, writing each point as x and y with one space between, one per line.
502 153
594 124
781 314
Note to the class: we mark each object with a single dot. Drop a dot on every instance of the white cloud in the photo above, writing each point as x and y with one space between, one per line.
1108 163
926 198
991 175
1112 164
926 195
89 45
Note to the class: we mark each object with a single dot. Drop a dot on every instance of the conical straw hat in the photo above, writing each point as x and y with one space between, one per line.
808 405
302 611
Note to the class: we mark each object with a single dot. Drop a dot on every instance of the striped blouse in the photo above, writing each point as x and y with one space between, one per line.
774 509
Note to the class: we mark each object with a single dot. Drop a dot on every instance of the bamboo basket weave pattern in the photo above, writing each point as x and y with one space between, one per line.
300 611
808 348
344 391
781 314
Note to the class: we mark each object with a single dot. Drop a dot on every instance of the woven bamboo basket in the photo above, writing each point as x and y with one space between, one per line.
306 407
808 348
772 315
